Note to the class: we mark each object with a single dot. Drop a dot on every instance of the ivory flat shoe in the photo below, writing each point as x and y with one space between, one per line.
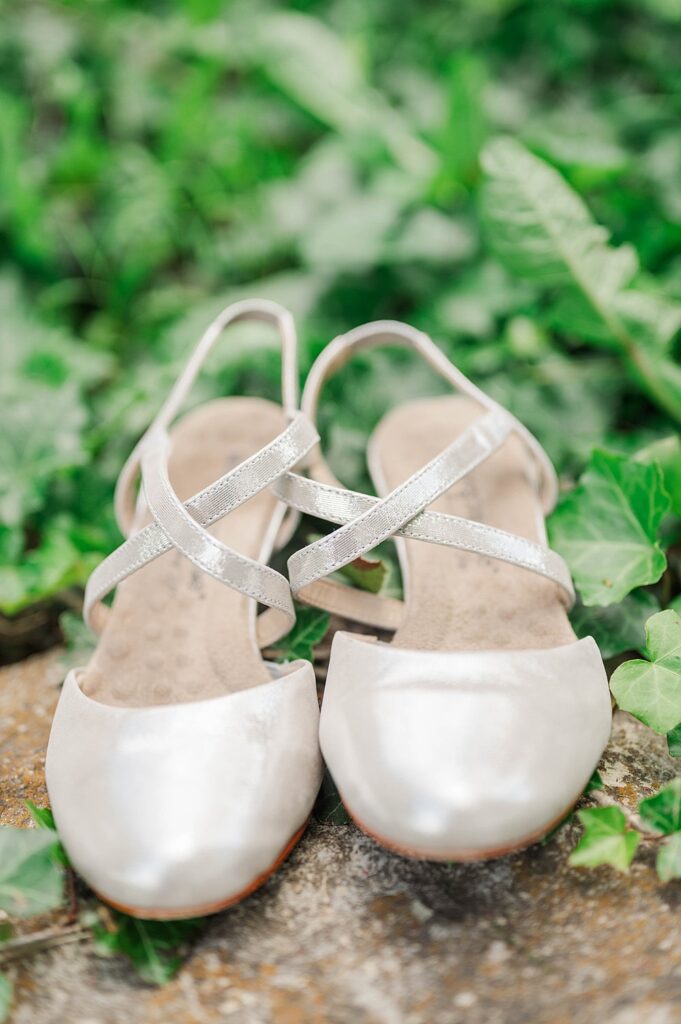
478 726
181 766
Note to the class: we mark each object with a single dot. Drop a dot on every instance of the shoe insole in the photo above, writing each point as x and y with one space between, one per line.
460 600
174 633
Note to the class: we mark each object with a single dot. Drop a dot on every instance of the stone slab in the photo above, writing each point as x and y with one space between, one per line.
349 933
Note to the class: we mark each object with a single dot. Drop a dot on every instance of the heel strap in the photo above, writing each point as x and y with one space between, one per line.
393 332
366 521
262 310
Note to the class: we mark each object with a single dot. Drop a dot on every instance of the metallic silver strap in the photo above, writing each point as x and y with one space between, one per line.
209 505
384 518
336 505
205 551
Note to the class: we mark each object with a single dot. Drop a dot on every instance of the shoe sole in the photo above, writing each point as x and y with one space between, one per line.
203 909
463 856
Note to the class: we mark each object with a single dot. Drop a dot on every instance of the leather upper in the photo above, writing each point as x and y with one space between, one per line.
440 752
180 805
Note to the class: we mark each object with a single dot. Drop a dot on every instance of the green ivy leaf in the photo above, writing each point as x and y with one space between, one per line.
31 880
668 862
606 528
328 806
616 628
595 782
651 690
663 811
366 573
667 453
44 818
152 947
6 988
674 741
606 839
309 630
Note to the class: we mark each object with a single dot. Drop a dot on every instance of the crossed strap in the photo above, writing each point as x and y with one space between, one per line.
183 525
365 521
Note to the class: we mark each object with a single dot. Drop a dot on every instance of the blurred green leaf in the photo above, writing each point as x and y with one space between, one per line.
543 231
668 861
663 811
154 948
41 435
366 574
674 741
651 690
31 880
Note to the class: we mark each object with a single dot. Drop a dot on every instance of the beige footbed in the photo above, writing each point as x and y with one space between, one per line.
460 600
174 633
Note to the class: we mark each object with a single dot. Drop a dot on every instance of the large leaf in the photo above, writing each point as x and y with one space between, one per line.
541 229
651 690
606 839
606 528
31 880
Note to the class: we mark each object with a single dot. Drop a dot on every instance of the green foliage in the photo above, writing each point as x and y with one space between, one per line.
542 230
159 161
674 741
668 862
616 628
606 839
607 528
663 811
31 880
151 946
309 630
366 574
651 690
44 818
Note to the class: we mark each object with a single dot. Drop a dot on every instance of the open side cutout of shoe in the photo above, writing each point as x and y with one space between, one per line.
478 726
182 766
